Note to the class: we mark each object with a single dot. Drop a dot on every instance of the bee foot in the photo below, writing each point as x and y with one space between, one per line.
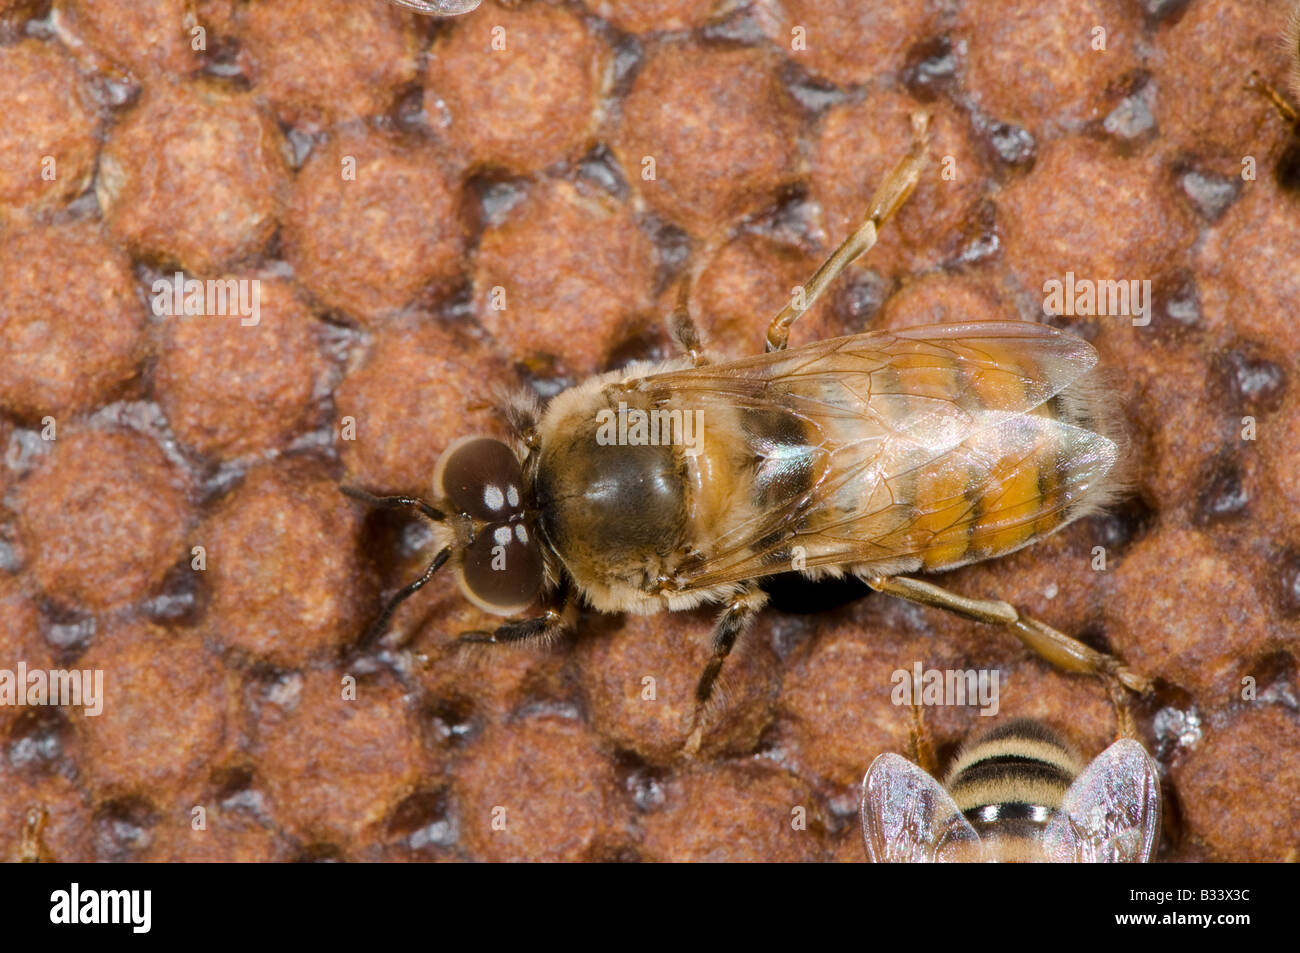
692 746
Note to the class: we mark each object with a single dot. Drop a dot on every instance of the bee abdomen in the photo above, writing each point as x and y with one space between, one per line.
1012 777
1020 481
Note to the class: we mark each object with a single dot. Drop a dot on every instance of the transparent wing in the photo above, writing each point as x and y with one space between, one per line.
907 817
895 429
894 520
1022 364
439 8
1111 813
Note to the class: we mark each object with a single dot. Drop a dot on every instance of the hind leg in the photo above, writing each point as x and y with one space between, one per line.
1065 653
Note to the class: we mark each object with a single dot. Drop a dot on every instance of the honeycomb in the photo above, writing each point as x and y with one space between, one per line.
169 503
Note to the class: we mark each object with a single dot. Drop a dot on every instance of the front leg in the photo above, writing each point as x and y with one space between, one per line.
538 630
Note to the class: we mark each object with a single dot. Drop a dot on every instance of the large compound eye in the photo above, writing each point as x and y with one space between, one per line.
502 570
481 477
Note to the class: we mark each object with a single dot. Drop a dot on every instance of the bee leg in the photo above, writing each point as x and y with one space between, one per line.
1126 727
682 328
731 623
32 850
377 627
429 511
537 629
922 749
1258 84
1056 647
891 194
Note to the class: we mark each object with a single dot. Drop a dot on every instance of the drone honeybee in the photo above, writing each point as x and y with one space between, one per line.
664 486
1016 793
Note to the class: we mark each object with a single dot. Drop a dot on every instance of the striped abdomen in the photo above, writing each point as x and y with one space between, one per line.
963 451
1017 480
1009 783
892 452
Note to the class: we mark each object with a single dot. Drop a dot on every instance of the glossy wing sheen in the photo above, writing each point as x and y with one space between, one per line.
907 817
894 432
440 8
1111 812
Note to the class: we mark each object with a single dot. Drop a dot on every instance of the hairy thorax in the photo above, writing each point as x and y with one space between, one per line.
633 489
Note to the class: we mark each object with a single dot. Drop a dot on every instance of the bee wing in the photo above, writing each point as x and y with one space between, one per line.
1111 812
878 412
835 374
907 817
439 8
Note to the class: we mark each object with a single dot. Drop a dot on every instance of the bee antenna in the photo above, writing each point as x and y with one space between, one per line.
395 502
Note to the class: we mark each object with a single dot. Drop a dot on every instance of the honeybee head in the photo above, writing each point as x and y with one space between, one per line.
500 569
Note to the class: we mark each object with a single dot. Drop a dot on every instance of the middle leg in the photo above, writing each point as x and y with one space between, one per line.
733 620
682 327
731 623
